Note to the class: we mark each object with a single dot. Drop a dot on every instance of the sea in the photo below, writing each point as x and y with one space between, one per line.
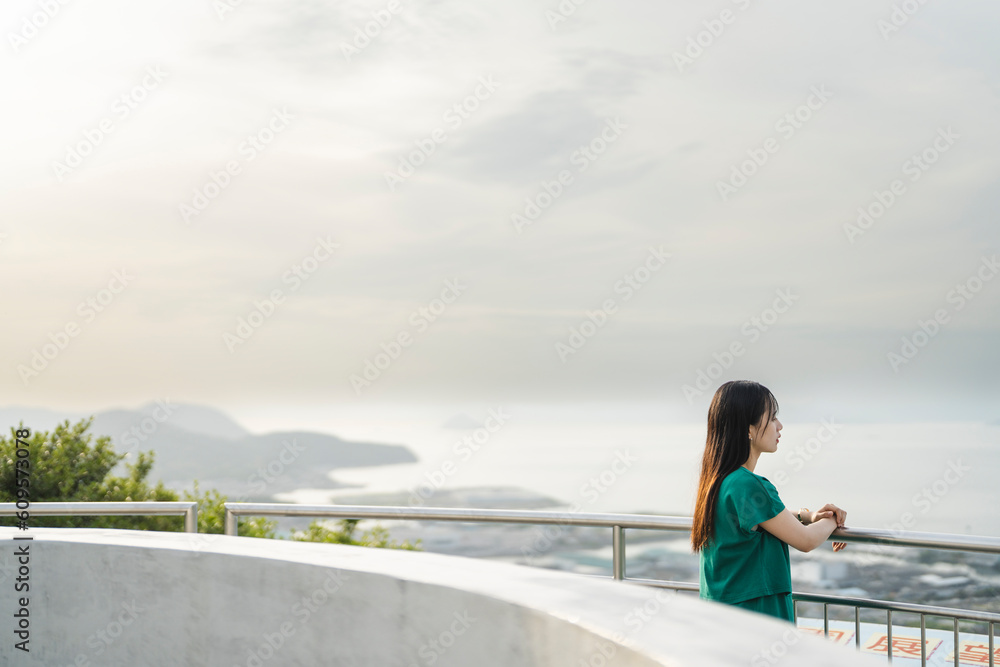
939 477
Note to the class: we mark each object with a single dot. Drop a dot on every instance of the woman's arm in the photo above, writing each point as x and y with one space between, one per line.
787 528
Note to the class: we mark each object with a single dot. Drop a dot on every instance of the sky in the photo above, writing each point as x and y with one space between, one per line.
261 205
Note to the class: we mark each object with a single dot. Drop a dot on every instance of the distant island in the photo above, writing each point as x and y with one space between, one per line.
200 442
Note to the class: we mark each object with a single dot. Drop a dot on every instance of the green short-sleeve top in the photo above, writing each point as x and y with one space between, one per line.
743 561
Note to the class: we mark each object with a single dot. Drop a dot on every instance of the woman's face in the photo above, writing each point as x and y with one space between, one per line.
767 433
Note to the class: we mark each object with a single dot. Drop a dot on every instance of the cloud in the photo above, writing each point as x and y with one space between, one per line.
657 184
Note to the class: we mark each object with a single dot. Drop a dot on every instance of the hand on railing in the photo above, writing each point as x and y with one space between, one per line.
832 510
841 517
828 511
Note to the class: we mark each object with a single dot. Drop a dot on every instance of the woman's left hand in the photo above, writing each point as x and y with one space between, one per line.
837 546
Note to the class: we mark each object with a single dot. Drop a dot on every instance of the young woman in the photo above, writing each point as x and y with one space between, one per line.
741 528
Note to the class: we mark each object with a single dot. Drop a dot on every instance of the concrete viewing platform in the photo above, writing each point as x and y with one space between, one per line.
115 597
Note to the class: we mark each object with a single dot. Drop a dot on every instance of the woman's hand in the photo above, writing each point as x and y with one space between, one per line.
837 513
841 516
830 511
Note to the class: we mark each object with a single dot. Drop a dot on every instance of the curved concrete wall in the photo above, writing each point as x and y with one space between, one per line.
109 597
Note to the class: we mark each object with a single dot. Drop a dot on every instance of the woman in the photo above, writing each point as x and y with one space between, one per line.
741 528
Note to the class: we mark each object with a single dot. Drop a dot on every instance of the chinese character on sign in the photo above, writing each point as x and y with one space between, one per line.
974 653
837 636
901 646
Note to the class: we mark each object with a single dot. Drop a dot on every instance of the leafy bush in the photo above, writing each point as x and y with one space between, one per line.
69 464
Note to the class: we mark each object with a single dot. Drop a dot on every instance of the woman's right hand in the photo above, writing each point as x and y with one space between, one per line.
839 515
832 510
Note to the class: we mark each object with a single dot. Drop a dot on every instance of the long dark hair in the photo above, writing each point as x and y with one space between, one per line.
736 408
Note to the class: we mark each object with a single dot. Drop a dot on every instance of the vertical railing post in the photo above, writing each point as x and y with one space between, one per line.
888 631
231 521
191 519
618 552
991 643
956 643
923 640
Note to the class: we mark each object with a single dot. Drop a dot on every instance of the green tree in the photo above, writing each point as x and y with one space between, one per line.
376 537
212 516
212 519
68 464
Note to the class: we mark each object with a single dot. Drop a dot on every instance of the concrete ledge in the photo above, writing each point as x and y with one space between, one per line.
111 597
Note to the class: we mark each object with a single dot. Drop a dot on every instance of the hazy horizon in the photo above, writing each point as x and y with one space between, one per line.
264 419
601 461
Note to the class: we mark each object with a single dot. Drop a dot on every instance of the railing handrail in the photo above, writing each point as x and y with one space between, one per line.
661 522
950 541
187 509
867 603
617 522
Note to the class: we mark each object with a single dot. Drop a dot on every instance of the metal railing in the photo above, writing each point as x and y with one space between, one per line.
620 522
617 522
187 509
